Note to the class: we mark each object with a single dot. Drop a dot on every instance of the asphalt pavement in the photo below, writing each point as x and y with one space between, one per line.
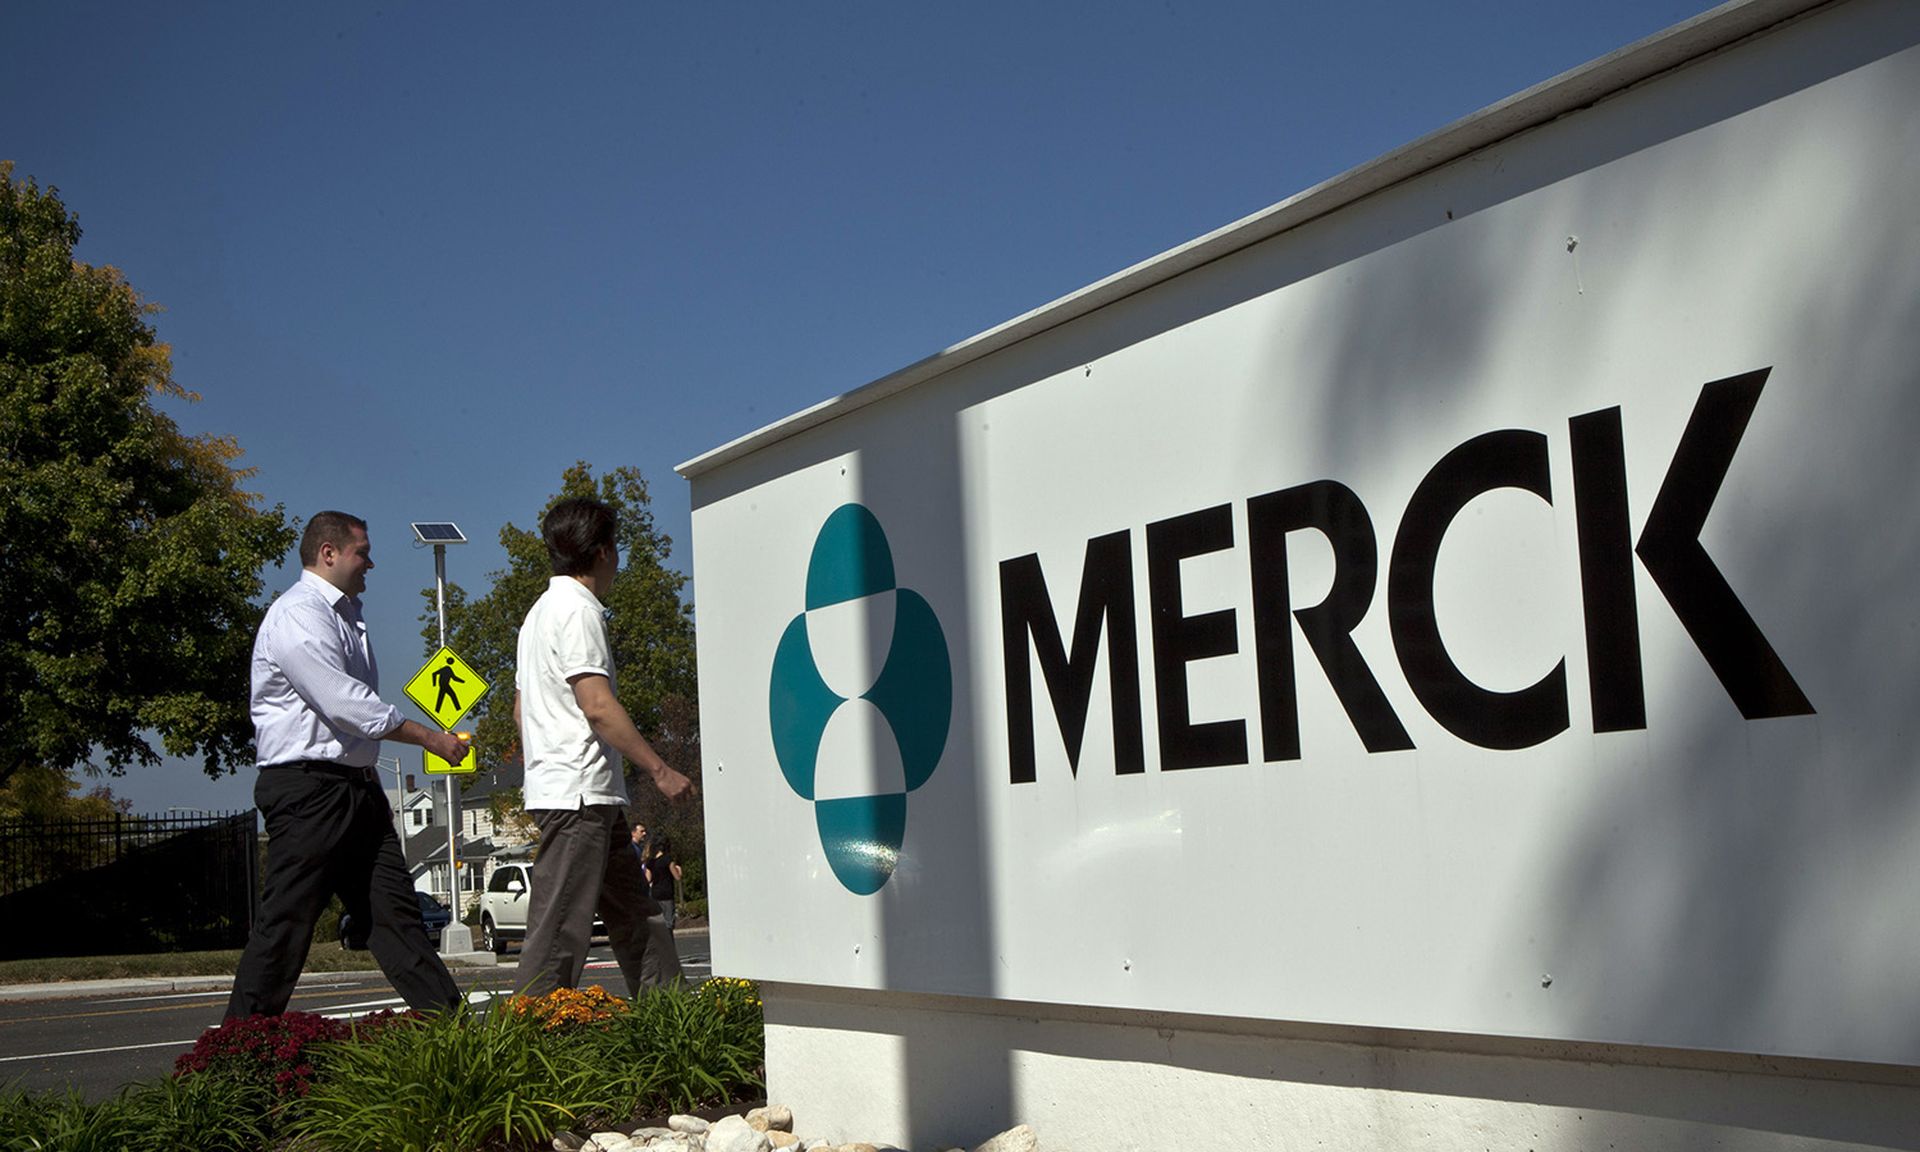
99 1035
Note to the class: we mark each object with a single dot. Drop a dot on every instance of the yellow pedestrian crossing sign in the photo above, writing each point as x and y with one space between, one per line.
438 767
445 688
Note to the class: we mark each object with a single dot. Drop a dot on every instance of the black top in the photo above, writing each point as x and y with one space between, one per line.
660 867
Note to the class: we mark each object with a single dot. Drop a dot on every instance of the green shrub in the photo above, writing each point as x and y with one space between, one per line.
451 1082
57 1122
326 930
197 1114
696 909
681 1050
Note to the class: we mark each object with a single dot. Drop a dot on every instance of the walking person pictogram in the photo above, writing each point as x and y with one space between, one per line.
444 679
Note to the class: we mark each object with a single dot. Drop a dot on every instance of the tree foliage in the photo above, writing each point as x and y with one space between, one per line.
40 793
651 629
130 557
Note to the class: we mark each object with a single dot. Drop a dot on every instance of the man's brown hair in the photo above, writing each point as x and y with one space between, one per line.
335 528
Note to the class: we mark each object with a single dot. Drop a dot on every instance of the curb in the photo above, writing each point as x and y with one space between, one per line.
161 985
78 989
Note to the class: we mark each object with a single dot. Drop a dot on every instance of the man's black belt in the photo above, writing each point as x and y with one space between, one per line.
344 771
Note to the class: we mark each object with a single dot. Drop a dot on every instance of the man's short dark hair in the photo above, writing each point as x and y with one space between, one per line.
575 529
335 528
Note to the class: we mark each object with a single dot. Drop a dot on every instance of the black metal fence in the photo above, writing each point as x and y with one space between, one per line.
130 884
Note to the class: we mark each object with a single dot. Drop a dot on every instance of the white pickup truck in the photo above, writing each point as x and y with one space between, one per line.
503 908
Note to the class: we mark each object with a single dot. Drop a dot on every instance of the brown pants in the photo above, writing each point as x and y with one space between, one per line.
586 862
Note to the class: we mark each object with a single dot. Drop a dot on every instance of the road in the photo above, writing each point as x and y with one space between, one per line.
98 1043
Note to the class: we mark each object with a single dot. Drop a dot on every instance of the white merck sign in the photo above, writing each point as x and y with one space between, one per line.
1477 597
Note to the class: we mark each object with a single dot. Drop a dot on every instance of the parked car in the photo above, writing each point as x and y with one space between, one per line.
433 916
503 908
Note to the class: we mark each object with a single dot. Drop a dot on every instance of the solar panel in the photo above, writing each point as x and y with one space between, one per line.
439 533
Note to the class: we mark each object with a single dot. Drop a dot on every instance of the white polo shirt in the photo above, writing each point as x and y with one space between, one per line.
564 634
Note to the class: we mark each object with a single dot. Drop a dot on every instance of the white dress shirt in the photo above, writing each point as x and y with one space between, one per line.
315 684
564 635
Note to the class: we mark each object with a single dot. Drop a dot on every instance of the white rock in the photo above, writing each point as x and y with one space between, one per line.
692 1124
772 1118
1017 1139
568 1142
780 1139
612 1141
734 1134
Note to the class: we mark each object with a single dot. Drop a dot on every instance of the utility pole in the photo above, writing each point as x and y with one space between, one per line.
399 798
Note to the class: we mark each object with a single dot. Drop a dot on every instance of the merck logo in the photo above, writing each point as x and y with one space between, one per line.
861 699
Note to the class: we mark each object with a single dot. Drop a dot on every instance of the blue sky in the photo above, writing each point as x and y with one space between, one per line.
420 258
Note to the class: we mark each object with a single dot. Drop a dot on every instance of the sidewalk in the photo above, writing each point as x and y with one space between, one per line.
160 985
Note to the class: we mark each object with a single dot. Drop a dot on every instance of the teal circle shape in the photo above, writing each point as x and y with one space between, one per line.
862 836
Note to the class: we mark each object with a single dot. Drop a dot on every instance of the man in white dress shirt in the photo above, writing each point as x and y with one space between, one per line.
318 721
573 732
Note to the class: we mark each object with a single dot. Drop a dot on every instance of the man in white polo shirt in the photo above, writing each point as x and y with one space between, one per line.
573 733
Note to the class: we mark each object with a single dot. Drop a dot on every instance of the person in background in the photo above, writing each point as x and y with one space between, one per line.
663 877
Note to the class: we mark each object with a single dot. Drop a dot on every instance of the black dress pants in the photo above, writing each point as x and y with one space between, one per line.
330 830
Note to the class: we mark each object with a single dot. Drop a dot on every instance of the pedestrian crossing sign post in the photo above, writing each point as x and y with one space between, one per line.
446 688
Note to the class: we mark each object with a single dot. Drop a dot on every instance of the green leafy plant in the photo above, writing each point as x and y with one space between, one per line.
448 1083
681 1049
33 1122
194 1114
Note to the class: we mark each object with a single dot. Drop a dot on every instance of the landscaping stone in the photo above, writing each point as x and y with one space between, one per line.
692 1124
1018 1139
734 1134
569 1142
781 1139
612 1141
772 1118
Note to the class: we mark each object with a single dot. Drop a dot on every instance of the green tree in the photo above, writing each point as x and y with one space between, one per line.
130 557
651 629
41 793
